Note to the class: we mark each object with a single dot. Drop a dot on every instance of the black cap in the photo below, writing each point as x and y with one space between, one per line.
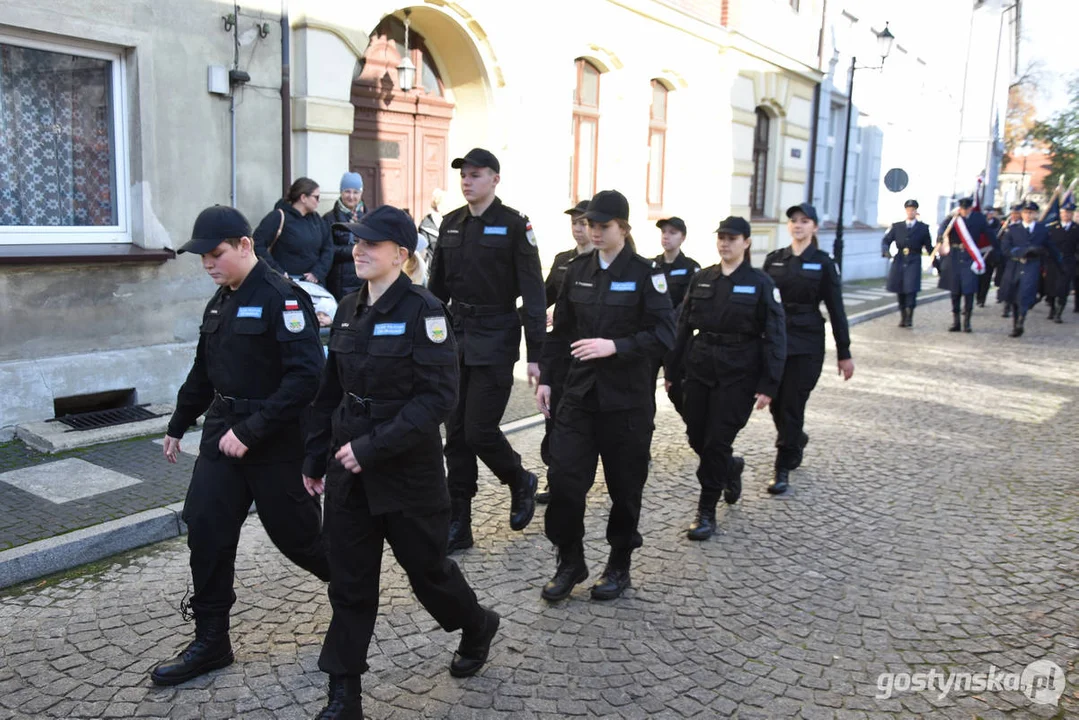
213 226
385 223
911 203
606 205
1030 205
477 157
578 209
805 208
1017 207
734 225
676 222
966 202
1068 205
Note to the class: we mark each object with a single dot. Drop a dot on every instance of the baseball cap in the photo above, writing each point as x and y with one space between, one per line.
676 222
578 209
213 226
607 205
805 208
477 157
384 223
734 225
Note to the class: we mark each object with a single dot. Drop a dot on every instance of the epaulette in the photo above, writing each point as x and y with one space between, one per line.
1055 223
507 208
432 302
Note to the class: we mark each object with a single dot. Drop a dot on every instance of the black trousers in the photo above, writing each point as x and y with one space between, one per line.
215 508
582 436
968 302
908 300
472 430
800 375
558 377
355 538
714 416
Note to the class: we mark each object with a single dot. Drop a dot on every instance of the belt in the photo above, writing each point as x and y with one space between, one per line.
464 309
239 406
1022 260
370 407
712 338
955 244
799 308
906 251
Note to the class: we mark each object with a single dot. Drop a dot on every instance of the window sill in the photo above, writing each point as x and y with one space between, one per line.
81 254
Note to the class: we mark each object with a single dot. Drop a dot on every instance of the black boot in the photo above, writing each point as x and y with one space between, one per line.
615 578
344 699
779 483
523 500
733 491
955 323
910 317
571 571
1052 303
460 537
705 525
209 650
1017 324
1007 310
544 496
1061 304
966 321
475 646
902 317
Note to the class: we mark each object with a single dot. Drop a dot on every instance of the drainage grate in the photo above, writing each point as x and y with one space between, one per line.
106 418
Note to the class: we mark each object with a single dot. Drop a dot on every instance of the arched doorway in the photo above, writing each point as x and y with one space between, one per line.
399 142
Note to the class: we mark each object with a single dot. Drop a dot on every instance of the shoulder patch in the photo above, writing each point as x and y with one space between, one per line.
659 282
293 316
529 235
435 328
776 296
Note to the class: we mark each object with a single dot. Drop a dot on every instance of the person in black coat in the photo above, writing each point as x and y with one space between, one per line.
1059 276
805 276
293 238
1003 260
349 208
958 270
1026 244
679 270
990 247
905 275
375 450
729 350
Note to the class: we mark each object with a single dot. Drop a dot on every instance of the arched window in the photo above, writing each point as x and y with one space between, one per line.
585 132
657 145
381 64
758 188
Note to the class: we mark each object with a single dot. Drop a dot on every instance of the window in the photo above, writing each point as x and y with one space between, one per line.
758 187
657 145
62 152
829 161
585 132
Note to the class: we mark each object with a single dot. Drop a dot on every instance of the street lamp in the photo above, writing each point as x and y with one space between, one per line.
1024 150
885 40
406 69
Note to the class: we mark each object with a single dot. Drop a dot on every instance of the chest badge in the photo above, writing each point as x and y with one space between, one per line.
293 317
436 329
659 282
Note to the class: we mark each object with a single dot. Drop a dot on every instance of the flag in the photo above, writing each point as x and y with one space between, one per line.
1052 213
977 262
978 191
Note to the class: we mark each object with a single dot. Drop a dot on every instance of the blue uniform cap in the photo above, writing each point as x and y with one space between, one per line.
1069 205
385 223
808 210
1030 205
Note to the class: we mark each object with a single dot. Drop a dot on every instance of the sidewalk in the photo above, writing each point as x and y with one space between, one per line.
63 510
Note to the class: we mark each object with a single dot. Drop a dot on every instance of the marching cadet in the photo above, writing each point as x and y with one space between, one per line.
905 275
1025 244
729 347
375 450
989 246
613 318
553 283
679 270
956 265
804 275
256 368
1013 218
1059 277
485 259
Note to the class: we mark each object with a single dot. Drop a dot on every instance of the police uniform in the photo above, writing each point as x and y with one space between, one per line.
679 274
607 406
256 368
481 265
989 244
905 273
390 380
730 345
1059 277
803 282
1025 249
957 267
1004 260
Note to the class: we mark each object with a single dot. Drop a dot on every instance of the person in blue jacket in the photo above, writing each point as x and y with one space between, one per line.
957 273
1025 245
910 236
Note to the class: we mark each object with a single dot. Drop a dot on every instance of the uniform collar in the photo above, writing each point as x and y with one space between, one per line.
389 299
490 215
738 273
247 287
660 260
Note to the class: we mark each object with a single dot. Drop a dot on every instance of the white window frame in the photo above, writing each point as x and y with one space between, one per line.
82 234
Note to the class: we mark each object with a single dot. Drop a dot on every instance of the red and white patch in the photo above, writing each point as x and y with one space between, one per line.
529 235
292 305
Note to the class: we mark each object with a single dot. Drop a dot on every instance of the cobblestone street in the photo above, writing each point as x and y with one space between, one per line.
933 525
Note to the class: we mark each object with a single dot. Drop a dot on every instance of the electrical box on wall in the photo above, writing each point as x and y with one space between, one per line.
217 80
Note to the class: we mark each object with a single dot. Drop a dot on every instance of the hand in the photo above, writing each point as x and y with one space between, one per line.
592 348
884 254
533 374
314 486
846 369
543 400
231 446
310 278
550 317
347 458
763 401
667 384
172 448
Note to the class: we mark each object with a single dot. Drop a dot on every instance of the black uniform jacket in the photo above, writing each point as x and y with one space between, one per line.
731 329
304 246
1059 277
804 281
480 266
390 380
256 368
905 273
557 274
628 303
678 273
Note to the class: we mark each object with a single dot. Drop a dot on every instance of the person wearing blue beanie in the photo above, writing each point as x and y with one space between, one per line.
349 208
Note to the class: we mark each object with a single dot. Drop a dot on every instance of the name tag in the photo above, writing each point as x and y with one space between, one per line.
495 230
389 329
680 271
811 266
249 312
452 232
745 289
584 284
623 287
